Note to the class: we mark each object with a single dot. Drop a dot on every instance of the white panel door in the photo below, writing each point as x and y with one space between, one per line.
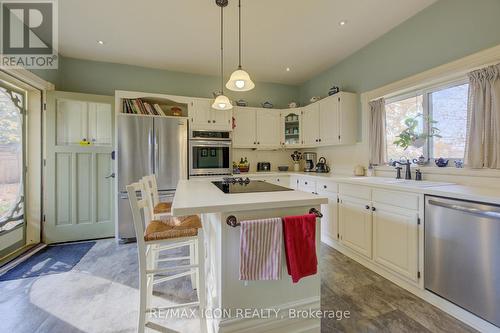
100 127
268 128
329 121
310 120
244 134
79 182
395 239
356 225
72 120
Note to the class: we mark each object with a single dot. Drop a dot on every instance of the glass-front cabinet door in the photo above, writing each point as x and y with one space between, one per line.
292 128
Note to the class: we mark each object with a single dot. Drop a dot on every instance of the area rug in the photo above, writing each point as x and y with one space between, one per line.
53 259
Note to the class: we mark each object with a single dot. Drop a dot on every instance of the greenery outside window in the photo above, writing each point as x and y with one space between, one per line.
436 118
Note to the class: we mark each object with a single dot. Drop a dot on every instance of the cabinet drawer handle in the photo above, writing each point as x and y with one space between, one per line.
209 121
373 209
324 186
367 207
319 140
213 121
305 183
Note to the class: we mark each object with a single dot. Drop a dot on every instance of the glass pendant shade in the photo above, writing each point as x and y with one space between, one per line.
240 81
222 103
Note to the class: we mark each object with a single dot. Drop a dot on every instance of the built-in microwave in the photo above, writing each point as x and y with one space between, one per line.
210 153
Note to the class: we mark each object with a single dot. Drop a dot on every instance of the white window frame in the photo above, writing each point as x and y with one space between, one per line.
427 111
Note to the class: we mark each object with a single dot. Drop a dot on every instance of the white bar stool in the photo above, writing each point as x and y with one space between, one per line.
155 236
159 209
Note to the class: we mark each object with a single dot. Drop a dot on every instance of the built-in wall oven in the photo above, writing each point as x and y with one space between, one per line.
210 153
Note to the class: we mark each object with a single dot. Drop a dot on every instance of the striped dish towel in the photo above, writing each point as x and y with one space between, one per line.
260 249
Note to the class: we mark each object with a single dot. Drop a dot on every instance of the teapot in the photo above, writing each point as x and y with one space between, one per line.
321 166
441 162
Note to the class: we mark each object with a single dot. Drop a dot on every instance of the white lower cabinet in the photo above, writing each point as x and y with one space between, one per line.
307 185
355 219
395 239
329 222
294 182
380 225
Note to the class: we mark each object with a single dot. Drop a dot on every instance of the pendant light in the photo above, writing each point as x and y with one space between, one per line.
240 80
222 102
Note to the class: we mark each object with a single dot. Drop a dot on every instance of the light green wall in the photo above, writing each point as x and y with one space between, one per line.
446 31
443 32
103 78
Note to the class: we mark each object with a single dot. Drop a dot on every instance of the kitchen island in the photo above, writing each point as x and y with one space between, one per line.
231 305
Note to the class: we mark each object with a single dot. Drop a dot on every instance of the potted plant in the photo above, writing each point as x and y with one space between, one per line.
410 136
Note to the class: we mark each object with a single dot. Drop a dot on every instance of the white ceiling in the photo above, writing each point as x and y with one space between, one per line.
184 35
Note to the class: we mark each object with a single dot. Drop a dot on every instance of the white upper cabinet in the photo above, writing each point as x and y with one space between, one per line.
268 125
78 120
257 128
331 121
245 130
310 120
291 128
204 117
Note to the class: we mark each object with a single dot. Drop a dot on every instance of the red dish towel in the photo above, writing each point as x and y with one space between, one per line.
300 245
260 249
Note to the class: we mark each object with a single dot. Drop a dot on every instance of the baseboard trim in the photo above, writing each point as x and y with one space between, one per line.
439 302
276 325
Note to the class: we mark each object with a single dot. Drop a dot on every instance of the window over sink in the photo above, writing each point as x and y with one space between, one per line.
437 115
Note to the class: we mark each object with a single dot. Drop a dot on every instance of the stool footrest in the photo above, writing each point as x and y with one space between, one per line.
159 328
175 276
169 269
173 306
173 259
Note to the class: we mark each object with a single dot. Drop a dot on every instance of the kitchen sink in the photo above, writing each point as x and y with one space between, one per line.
401 182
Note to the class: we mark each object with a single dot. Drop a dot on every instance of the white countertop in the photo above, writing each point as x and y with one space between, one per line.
481 194
200 196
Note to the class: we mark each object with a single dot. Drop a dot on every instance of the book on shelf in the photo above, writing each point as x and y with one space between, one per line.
138 106
159 109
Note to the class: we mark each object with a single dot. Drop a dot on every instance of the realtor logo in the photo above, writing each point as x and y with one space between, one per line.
28 34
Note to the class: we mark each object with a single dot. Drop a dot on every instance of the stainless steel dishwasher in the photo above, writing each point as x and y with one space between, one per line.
462 254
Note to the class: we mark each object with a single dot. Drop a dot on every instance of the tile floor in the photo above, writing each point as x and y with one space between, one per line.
100 295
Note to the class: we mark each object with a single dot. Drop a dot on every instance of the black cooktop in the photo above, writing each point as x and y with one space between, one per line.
241 185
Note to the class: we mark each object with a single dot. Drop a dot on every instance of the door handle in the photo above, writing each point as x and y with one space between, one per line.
463 208
150 144
157 153
110 176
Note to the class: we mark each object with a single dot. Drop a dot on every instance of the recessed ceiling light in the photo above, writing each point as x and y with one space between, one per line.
288 69
342 23
100 42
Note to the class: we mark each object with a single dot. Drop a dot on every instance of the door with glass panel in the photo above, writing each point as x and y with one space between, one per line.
79 170
12 169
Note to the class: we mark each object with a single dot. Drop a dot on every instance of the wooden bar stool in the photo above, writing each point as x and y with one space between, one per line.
159 209
155 236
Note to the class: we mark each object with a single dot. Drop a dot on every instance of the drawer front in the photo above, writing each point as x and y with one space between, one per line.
281 181
396 198
307 185
355 191
326 186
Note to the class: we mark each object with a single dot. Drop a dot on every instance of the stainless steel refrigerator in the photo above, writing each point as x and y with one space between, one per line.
148 145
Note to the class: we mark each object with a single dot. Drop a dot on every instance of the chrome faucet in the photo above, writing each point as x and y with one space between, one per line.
407 170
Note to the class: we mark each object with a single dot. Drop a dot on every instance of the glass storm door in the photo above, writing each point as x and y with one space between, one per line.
12 166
